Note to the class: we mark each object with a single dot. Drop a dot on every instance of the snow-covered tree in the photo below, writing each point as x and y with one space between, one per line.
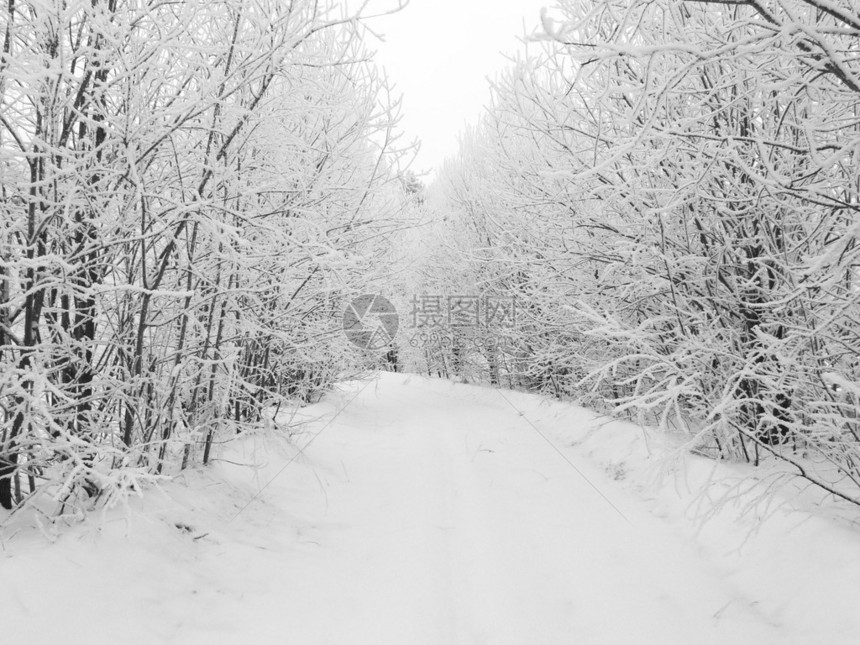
189 193
672 192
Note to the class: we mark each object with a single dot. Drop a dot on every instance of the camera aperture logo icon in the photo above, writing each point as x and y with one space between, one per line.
370 321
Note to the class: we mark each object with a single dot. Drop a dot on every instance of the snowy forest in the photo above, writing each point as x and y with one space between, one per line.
188 192
192 192
670 190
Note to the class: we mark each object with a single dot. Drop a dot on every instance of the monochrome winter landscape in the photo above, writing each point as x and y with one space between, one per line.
338 321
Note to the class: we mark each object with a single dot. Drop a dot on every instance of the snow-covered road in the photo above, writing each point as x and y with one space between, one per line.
425 512
445 517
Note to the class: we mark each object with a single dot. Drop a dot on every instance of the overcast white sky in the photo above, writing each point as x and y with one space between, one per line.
439 53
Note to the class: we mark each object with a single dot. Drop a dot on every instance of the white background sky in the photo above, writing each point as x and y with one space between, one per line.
439 53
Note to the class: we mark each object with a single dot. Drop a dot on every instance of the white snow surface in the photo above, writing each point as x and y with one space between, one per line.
426 511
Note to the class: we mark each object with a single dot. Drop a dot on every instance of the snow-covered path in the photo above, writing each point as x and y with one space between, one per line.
424 512
458 523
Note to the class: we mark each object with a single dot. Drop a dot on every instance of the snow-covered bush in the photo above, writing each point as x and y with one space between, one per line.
670 189
191 192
